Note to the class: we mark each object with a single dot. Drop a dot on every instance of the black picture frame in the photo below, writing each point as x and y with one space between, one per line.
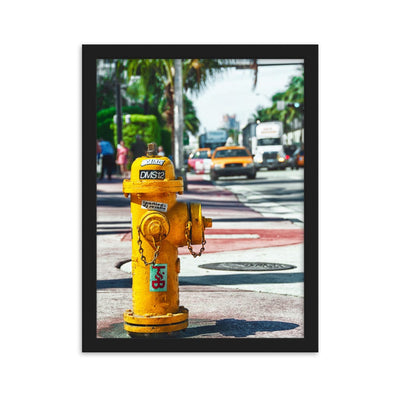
90 343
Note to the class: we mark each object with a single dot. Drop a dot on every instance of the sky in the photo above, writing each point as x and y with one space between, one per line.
232 93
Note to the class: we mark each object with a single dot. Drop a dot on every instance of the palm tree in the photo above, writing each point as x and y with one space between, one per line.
149 93
195 75
293 94
150 86
192 123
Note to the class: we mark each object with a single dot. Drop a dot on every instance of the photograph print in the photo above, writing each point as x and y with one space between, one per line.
200 198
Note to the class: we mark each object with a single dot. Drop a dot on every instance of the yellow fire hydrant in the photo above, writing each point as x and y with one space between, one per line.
160 225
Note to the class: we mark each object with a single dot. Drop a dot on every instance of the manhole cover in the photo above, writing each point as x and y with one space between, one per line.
247 266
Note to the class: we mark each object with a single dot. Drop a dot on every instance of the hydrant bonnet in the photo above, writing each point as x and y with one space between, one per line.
152 174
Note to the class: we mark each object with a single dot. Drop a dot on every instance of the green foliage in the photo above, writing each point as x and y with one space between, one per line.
197 72
105 94
148 92
107 113
186 139
154 89
156 83
190 120
192 123
105 121
146 126
293 93
104 130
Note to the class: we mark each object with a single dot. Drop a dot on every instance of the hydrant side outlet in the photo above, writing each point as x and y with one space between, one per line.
160 225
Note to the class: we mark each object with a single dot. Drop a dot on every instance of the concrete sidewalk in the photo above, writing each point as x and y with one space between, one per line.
222 304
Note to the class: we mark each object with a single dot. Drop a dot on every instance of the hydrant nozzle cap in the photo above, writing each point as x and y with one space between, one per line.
152 149
207 222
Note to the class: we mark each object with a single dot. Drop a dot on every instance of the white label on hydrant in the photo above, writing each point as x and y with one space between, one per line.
154 205
151 174
152 161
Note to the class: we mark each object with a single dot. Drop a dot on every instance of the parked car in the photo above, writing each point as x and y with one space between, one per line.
200 160
232 161
297 159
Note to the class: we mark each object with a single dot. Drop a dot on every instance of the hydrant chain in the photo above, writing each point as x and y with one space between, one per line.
189 242
142 257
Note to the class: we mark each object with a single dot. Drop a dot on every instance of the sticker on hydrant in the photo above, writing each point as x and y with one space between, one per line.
158 278
154 205
152 161
151 174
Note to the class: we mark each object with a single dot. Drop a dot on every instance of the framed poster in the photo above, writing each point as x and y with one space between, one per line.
233 134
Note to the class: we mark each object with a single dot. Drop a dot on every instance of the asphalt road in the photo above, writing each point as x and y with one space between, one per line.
272 193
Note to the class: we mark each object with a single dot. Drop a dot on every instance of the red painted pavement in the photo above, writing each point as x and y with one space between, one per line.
268 238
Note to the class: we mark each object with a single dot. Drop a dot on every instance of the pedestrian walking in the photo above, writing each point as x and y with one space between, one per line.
98 157
122 157
107 152
98 150
161 151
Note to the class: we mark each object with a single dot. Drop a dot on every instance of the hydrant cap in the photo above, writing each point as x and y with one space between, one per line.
158 169
152 173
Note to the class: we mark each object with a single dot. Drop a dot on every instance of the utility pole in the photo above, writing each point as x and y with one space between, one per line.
118 103
178 121
118 110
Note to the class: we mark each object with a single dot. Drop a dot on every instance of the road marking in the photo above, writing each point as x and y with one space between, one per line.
268 208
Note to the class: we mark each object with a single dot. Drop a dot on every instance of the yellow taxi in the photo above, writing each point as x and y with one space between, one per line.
232 161
297 159
300 159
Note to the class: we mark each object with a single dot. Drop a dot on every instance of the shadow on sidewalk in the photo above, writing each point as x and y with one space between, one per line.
215 280
228 327
237 279
114 283
238 327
